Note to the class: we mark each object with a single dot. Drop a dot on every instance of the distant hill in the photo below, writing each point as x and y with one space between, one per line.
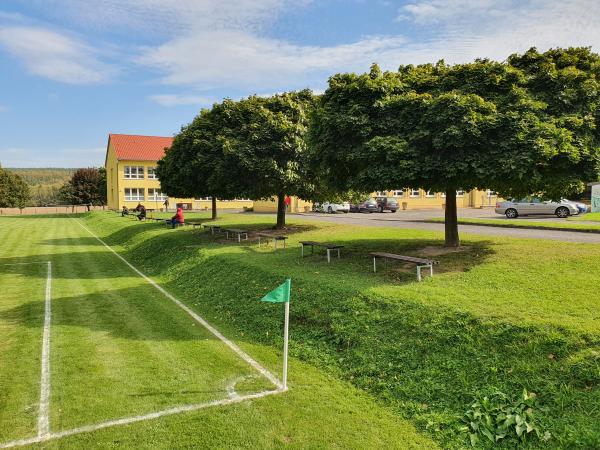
36 177
45 184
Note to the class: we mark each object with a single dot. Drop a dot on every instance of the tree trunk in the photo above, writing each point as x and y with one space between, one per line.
214 207
280 211
451 219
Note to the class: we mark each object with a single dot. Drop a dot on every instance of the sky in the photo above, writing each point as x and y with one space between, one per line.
73 71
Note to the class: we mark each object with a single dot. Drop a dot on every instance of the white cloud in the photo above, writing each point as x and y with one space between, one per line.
178 100
26 157
54 55
169 17
234 58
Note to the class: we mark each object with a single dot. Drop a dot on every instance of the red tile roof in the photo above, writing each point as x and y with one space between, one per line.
139 148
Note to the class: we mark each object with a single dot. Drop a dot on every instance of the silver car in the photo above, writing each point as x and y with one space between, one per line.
532 205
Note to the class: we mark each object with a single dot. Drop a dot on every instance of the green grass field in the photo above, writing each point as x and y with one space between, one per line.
592 217
378 360
523 223
120 348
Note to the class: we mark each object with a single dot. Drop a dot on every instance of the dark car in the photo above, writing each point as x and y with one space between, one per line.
387 204
367 206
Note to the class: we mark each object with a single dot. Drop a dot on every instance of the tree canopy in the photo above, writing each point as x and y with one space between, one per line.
86 187
443 128
14 192
251 148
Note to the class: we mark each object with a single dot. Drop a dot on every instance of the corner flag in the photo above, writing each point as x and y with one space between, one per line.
281 294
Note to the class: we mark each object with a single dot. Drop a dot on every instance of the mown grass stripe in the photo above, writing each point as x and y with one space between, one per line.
252 362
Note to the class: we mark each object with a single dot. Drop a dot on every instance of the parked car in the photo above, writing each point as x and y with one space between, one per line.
368 206
335 207
533 205
387 204
582 207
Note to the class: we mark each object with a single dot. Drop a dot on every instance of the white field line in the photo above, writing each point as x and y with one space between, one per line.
134 419
44 407
43 421
251 361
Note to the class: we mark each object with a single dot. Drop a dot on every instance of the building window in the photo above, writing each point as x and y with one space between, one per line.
156 195
399 193
381 194
415 193
429 194
134 194
460 193
152 173
134 172
490 193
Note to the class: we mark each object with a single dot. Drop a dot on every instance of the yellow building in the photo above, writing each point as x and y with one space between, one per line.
407 199
421 199
130 176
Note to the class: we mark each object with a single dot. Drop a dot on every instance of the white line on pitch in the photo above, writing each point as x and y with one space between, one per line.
140 418
251 361
43 421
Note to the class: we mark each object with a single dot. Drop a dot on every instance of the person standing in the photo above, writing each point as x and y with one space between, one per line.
288 202
166 204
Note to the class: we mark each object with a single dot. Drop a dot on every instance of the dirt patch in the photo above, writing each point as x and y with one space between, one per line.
439 251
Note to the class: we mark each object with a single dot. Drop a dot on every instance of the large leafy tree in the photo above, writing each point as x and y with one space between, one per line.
446 128
14 192
86 187
195 165
251 148
266 140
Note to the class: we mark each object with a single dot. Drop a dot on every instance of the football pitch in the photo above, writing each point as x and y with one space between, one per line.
87 341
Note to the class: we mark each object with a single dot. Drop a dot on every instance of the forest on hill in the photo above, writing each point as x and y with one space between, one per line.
45 183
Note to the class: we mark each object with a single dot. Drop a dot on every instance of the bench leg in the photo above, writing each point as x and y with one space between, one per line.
302 250
374 265
418 273
328 256
431 269
338 253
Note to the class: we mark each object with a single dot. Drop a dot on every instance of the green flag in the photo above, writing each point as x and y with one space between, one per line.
280 294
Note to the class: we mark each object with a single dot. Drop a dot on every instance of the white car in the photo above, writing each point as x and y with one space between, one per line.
335 207
532 205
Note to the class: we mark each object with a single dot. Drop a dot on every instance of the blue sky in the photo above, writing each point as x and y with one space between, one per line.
73 71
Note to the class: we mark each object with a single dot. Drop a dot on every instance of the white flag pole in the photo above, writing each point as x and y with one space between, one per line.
285 343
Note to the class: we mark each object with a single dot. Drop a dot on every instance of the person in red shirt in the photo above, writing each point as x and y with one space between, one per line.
287 201
177 218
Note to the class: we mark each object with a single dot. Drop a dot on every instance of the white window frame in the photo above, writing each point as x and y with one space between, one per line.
130 197
381 194
429 194
460 193
137 174
399 193
152 173
412 193
491 193
156 198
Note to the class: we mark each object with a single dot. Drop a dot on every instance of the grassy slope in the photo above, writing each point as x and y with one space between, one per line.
592 217
120 348
503 315
520 223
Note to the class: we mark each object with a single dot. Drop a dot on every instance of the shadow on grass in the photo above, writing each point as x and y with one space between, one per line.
133 313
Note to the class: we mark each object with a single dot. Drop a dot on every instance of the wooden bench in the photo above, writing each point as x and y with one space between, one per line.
212 227
168 223
236 232
329 247
268 236
419 262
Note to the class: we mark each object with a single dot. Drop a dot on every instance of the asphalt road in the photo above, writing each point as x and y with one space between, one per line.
403 220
